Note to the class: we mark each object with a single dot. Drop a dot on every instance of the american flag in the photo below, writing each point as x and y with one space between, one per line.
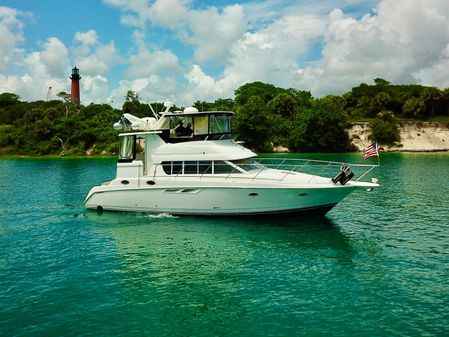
371 151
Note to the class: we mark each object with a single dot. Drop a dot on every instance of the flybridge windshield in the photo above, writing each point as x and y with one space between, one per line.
197 126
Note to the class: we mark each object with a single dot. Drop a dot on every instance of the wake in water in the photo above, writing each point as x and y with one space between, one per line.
157 215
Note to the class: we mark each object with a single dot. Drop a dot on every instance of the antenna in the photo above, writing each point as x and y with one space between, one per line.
152 110
48 94
154 113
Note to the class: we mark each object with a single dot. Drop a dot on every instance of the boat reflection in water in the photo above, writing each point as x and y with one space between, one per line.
187 163
182 272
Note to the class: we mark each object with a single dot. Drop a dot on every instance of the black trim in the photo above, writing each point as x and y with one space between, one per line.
317 210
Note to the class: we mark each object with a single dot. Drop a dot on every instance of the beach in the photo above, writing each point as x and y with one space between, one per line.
415 137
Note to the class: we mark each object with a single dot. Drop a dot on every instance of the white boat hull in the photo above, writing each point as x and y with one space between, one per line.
216 200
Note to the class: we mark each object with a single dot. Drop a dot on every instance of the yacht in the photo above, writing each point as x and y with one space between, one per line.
187 163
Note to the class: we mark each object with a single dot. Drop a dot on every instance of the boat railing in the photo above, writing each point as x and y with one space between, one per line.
314 167
254 170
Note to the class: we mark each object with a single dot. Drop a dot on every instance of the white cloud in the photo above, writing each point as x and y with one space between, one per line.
210 31
150 89
403 42
146 63
215 33
388 44
53 57
11 32
94 88
98 61
88 38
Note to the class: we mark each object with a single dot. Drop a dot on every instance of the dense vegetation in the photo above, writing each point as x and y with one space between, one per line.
265 117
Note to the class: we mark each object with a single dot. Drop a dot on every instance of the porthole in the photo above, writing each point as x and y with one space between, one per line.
303 194
125 182
150 182
253 194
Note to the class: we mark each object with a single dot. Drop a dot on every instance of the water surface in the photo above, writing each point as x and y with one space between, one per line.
376 265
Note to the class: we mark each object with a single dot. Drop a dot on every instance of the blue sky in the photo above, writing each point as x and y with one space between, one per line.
186 50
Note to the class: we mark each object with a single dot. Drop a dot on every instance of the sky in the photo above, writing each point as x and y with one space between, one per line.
188 50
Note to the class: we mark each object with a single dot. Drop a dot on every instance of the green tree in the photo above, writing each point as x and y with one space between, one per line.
381 82
384 129
414 107
204 106
67 99
224 104
253 125
431 97
284 105
320 128
380 102
263 90
132 103
7 99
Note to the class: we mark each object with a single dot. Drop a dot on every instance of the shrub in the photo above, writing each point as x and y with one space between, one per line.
385 131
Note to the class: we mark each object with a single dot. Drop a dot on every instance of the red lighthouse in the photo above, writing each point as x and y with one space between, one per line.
75 85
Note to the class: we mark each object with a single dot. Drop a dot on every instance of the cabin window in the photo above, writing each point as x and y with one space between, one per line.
190 167
221 167
219 124
127 151
205 167
177 167
199 167
166 166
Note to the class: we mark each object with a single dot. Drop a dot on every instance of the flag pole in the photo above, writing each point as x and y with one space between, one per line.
378 154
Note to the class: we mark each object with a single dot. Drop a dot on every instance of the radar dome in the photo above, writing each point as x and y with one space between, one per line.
190 110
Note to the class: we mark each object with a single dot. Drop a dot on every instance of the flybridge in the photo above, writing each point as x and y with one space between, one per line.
181 126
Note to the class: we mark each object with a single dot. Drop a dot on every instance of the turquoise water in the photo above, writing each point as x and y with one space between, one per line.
376 265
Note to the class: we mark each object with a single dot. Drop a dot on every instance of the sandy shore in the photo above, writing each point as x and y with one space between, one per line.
415 137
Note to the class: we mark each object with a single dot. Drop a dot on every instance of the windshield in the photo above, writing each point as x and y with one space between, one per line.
247 164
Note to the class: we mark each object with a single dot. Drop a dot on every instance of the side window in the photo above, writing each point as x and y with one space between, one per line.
190 167
221 167
205 167
166 165
177 167
127 151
